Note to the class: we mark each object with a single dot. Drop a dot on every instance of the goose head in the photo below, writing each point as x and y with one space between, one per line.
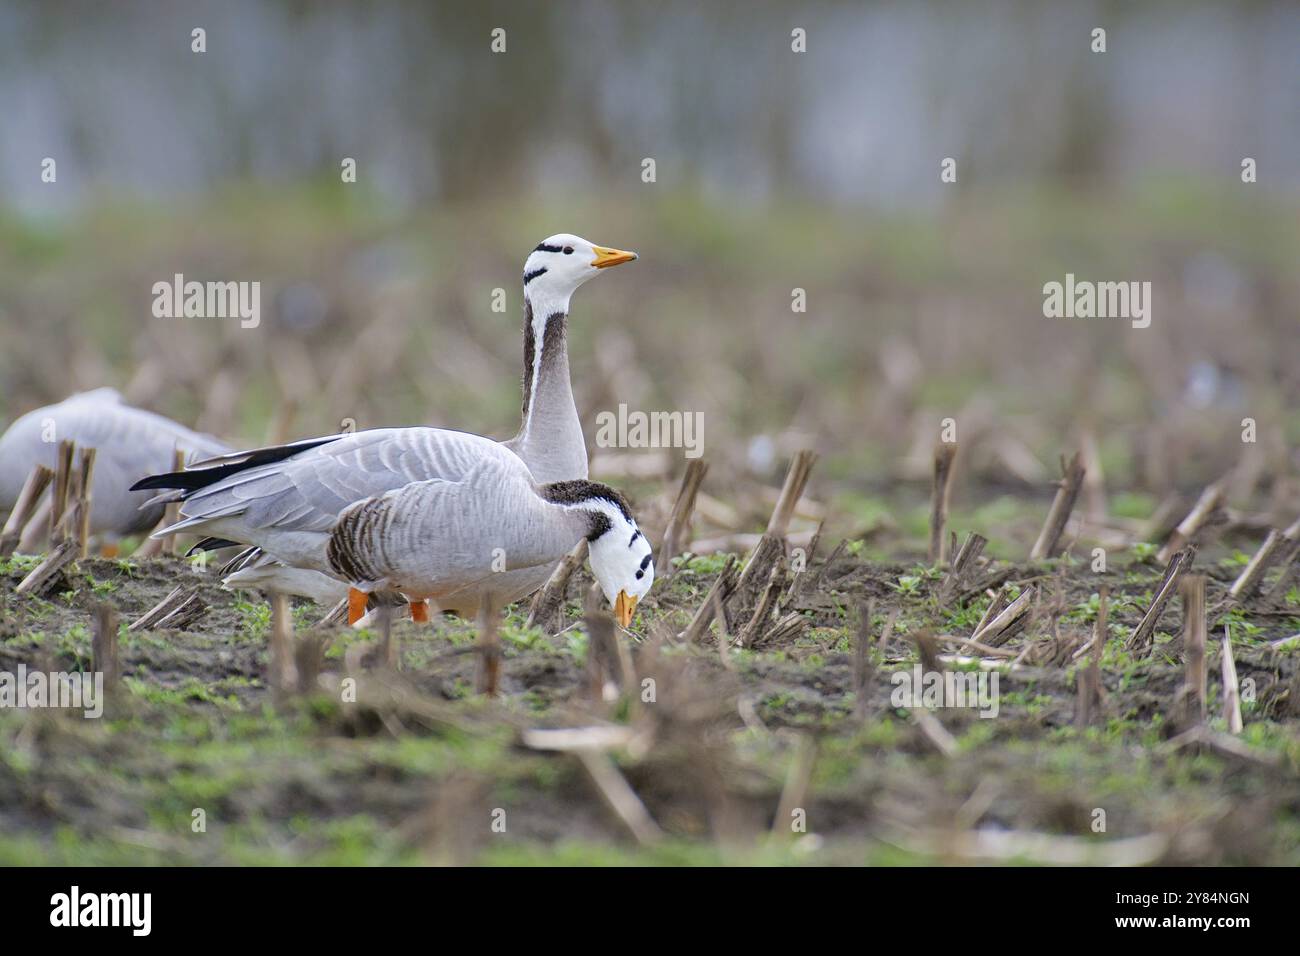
623 565
620 555
563 262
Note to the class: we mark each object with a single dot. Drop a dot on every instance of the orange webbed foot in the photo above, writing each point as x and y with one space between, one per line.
357 601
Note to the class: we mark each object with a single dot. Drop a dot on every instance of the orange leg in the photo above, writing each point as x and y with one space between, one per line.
420 612
356 605
108 551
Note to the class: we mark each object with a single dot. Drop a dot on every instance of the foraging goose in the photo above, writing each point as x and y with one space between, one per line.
285 499
457 542
129 444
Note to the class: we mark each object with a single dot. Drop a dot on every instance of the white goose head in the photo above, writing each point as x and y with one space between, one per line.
620 555
563 262
623 565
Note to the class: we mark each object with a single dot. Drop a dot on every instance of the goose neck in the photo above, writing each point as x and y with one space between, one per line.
550 439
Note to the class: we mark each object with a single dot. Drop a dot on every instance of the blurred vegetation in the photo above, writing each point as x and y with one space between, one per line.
383 314
775 171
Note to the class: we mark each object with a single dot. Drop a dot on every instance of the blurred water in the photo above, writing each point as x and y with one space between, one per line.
587 89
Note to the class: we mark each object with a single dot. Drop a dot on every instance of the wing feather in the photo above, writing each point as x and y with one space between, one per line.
289 506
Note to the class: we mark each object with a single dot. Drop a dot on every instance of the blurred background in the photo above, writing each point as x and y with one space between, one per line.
775 171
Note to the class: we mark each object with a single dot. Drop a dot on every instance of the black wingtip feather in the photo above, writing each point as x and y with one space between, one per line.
211 544
193 479
186 480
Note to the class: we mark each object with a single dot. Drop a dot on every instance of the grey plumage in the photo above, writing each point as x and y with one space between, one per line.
130 443
324 478
486 535
287 507
456 540
294 502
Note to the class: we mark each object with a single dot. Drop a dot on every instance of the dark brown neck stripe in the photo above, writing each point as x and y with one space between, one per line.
553 339
580 491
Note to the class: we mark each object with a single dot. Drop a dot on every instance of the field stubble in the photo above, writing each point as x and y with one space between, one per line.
714 760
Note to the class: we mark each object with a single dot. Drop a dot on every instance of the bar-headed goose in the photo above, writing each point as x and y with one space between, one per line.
281 499
457 542
129 442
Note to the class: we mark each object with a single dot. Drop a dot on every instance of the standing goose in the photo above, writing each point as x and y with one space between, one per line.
448 540
285 499
129 444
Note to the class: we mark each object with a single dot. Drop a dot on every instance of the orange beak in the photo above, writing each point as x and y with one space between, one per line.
624 608
610 257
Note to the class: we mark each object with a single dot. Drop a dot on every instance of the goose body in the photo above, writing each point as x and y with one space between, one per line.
285 500
129 442
288 507
462 542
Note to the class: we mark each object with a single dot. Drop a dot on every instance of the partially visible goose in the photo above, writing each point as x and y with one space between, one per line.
447 541
129 442
283 499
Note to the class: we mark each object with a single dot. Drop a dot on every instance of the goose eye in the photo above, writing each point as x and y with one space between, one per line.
568 250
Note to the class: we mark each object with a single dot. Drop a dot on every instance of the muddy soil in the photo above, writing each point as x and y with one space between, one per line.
196 760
